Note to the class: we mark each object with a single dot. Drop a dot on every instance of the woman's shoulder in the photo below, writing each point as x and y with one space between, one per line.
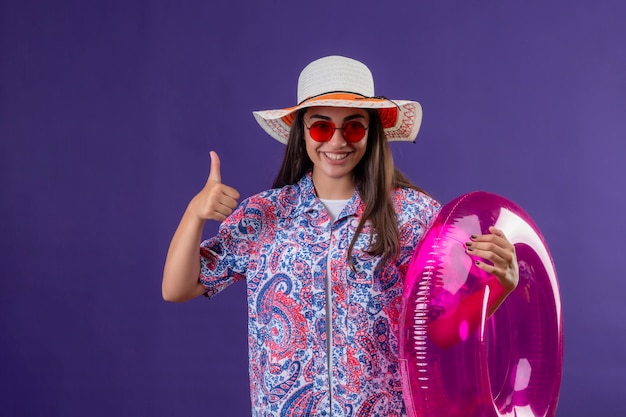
411 203
413 195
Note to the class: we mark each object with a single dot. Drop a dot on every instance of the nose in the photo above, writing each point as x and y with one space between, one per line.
337 139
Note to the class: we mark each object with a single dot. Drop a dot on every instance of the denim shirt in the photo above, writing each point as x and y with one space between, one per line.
280 241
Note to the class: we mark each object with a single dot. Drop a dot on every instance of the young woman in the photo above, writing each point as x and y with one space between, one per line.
324 252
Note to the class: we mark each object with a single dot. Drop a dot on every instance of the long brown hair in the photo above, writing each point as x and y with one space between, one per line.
375 177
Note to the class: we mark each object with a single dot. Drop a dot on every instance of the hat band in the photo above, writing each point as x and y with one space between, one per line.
345 95
388 116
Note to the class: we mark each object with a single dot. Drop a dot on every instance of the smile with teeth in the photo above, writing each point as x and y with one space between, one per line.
335 156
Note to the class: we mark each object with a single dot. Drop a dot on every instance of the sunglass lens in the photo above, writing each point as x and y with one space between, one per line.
353 131
322 131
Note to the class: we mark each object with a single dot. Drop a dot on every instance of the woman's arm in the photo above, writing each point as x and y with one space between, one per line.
215 201
463 318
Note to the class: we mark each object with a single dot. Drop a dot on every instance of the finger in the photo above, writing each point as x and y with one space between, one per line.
495 235
221 211
222 199
492 247
496 241
502 249
230 192
489 256
218 209
490 269
218 216
214 173
495 231
228 202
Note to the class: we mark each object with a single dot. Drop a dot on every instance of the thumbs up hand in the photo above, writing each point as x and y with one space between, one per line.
215 201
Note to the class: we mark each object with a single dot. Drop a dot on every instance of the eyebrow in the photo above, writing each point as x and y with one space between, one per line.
345 119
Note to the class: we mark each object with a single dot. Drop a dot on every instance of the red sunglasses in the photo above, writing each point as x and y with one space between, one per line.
322 130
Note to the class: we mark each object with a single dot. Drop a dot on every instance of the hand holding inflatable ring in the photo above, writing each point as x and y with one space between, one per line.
456 361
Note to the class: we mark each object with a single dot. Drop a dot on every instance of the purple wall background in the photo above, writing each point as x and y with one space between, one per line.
108 110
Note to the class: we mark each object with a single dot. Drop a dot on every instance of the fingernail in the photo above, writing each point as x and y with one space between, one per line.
473 237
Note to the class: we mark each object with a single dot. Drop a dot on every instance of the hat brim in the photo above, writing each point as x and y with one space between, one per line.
401 119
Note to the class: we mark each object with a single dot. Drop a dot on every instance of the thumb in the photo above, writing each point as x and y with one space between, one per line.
214 173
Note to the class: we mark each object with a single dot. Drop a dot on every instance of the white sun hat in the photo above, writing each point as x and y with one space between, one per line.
337 81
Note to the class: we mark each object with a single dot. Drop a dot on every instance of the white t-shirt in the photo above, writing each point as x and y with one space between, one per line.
334 207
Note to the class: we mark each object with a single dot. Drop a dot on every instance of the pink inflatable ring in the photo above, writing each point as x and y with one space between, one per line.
456 361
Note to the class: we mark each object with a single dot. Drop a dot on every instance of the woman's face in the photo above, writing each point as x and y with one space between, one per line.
334 160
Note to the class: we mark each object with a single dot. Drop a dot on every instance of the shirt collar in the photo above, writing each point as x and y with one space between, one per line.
306 200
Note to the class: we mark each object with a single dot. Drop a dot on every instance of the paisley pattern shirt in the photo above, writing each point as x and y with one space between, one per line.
280 241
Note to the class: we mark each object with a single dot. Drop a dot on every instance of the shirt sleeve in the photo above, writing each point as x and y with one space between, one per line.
224 258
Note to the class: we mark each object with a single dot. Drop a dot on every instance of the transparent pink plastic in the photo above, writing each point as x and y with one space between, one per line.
456 361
